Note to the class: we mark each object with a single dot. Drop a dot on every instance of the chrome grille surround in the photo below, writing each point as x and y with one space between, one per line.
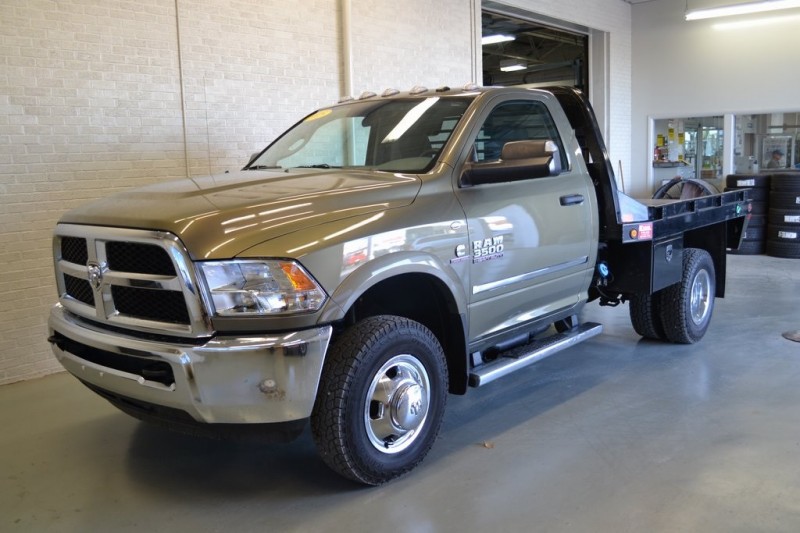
193 323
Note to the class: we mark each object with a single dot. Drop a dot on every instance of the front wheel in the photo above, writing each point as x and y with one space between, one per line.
381 399
686 307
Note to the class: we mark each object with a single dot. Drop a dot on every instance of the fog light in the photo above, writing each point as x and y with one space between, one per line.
271 390
268 385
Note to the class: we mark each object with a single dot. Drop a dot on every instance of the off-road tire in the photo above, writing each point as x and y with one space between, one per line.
741 181
645 311
754 233
784 200
358 366
756 221
757 208
784 217
783 234
687 306
753 238
788 182
786 249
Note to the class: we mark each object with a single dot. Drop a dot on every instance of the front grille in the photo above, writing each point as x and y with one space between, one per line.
139 258
148 304
131 279
73 249
79 289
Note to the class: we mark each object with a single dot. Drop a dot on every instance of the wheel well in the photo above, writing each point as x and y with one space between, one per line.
425 299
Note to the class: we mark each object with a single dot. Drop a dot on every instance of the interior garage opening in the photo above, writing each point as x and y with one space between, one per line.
523 51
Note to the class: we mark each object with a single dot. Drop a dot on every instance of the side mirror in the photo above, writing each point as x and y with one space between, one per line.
519 160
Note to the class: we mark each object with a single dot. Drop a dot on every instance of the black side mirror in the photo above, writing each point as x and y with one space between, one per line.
519 160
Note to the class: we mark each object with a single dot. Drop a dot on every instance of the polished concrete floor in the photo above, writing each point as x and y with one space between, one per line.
615 435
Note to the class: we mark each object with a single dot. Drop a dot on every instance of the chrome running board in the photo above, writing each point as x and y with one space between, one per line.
522 356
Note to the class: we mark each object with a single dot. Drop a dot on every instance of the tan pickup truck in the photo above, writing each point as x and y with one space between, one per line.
381 254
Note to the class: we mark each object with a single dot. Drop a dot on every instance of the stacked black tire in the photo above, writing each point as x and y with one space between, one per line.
758 191
783 230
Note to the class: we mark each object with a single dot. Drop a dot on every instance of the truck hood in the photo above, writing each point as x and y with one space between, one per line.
221 216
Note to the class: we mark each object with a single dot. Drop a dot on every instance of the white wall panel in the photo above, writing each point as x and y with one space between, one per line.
686 69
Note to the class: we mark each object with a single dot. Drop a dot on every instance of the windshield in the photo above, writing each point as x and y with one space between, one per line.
403 135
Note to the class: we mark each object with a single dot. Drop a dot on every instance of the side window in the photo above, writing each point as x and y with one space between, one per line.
516 121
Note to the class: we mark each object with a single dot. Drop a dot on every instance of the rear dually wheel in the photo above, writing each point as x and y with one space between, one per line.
686 307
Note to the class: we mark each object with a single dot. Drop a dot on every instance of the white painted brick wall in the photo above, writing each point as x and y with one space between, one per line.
90 103
417 42
251 69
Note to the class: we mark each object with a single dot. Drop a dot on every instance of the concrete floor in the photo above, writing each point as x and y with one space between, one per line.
614 435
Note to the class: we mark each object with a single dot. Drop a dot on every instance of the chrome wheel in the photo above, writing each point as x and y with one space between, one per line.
397 404
700 303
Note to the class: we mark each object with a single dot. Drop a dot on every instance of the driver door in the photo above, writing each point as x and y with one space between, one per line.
532 241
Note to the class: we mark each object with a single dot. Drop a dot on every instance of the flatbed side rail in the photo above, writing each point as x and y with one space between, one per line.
673 218
658 212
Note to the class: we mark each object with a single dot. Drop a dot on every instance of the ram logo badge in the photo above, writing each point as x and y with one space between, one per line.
95 276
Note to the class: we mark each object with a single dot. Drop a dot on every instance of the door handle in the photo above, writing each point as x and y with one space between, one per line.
571 199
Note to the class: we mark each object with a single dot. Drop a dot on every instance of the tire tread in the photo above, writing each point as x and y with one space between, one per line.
788 250
646 315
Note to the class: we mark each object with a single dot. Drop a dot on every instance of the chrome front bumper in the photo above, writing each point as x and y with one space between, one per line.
268 378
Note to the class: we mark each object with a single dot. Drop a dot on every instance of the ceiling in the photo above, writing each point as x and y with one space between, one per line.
549 55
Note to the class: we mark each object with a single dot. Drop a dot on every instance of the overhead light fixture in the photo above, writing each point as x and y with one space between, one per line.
494 39
756 22
510 65
741 9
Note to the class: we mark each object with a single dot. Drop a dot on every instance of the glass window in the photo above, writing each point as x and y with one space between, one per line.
516 121
404 135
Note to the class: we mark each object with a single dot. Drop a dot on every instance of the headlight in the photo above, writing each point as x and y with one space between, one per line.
268 287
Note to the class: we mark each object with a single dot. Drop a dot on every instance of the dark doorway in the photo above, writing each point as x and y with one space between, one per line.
524 52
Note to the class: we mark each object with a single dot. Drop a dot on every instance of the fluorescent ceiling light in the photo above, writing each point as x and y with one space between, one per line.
741 9
494 39
511 67
754 23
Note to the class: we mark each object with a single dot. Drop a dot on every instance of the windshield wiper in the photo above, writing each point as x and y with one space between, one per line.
263 167
320 165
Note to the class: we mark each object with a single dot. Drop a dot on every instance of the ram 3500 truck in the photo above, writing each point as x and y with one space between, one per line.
380 254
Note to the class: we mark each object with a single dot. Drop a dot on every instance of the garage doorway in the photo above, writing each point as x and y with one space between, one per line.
518 50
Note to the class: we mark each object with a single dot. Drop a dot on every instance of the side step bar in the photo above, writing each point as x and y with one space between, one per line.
528 354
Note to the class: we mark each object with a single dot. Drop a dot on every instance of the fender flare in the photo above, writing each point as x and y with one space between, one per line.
388 266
